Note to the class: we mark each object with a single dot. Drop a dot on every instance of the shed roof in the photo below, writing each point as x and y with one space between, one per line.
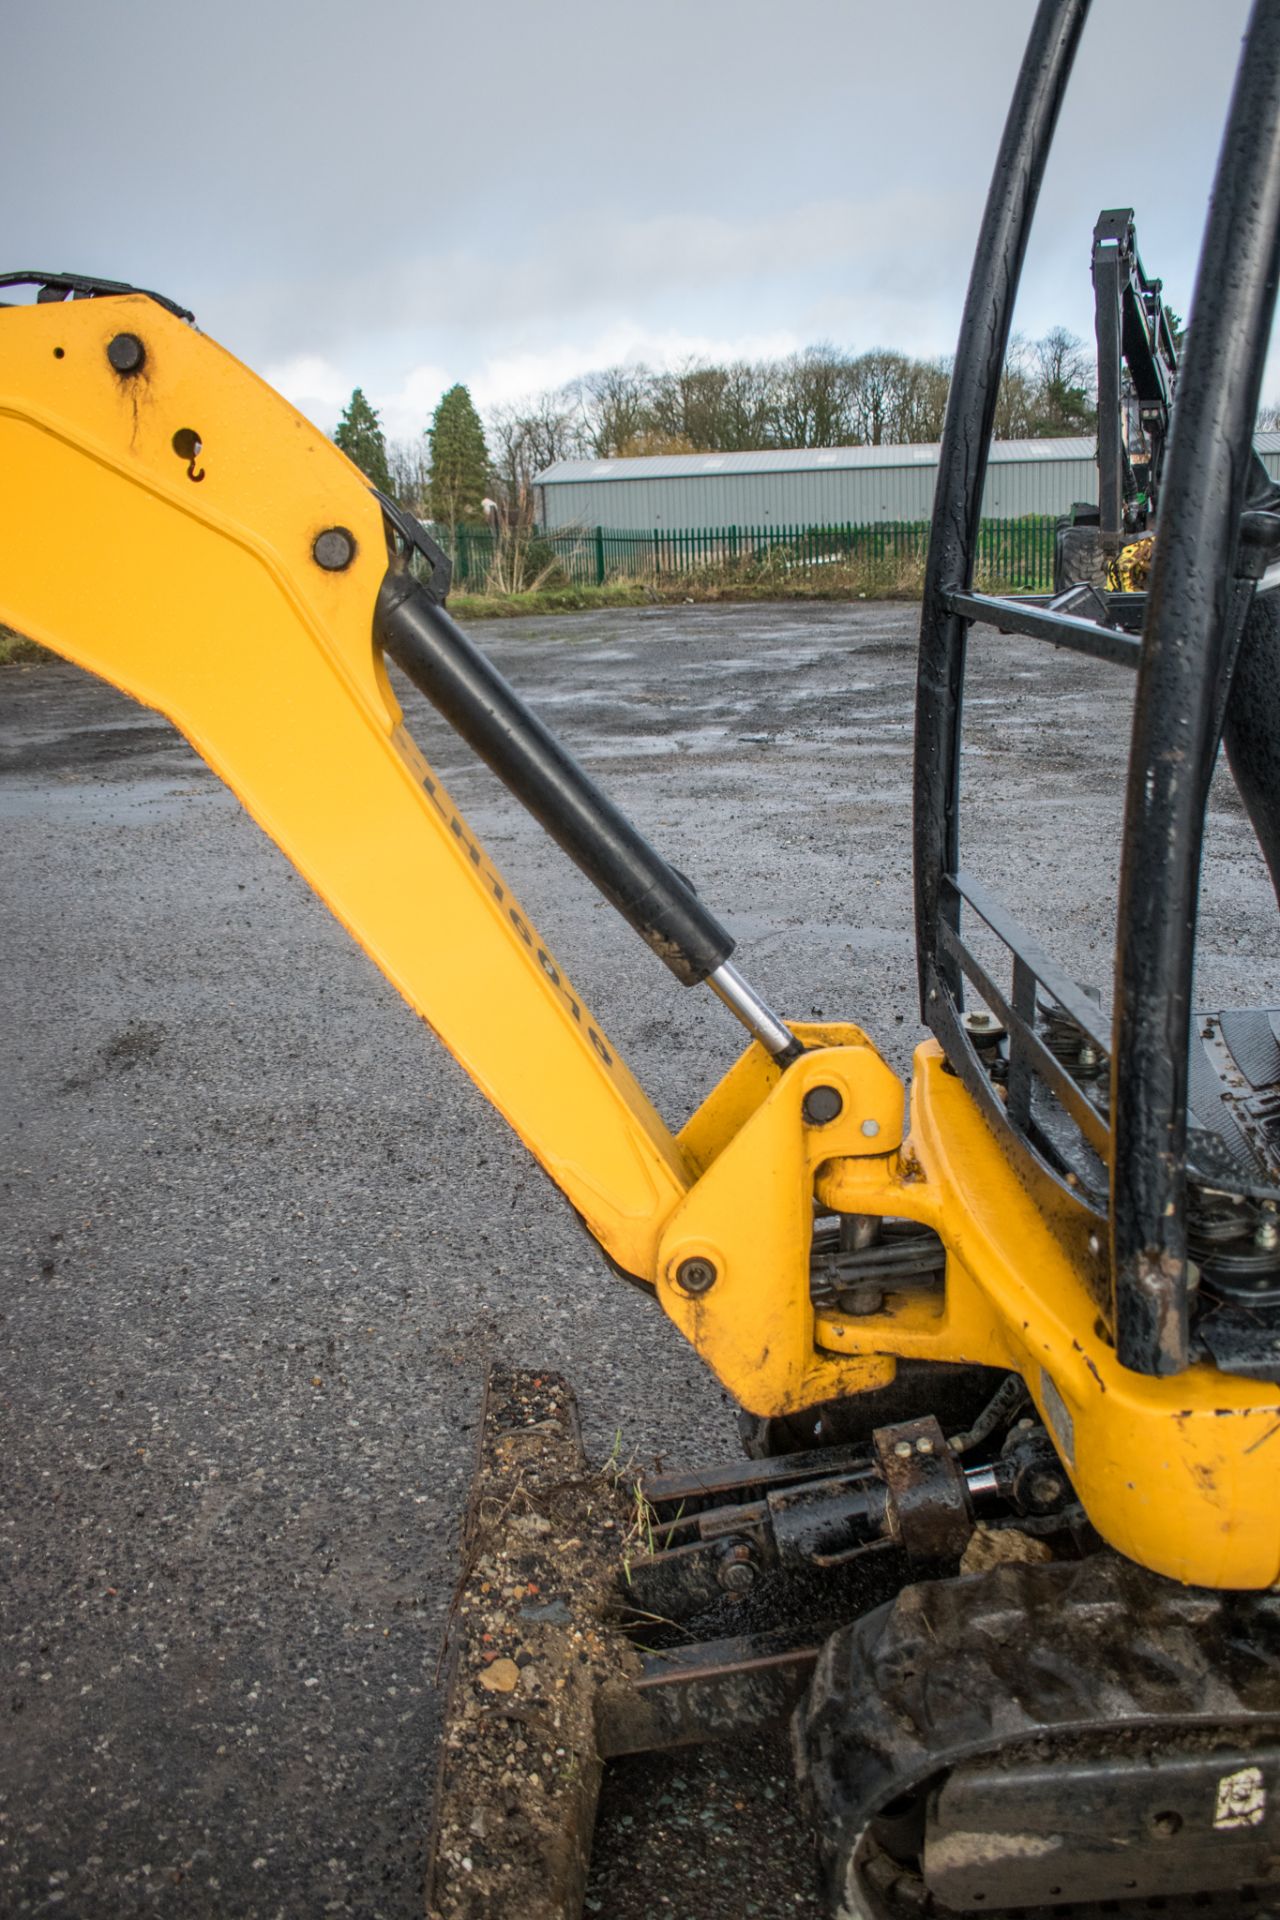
692 466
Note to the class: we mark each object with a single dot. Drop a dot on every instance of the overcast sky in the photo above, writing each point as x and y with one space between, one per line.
403 194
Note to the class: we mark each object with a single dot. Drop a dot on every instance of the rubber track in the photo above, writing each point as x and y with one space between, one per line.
956 1669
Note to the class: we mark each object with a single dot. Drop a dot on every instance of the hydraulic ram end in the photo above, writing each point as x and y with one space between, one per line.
756 1016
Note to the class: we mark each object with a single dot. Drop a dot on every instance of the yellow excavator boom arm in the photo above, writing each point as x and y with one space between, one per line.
190 581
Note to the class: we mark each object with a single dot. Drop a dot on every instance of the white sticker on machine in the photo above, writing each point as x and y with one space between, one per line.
1242 1799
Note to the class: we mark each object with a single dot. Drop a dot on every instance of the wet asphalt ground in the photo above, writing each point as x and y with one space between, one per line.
261 1238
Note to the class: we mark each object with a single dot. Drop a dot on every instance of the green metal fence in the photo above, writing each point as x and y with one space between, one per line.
1014 554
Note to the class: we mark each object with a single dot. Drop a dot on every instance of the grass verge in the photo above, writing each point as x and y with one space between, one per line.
895 581
15 647
507 606
893 577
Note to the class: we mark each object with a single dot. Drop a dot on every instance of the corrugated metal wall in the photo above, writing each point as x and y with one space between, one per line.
858 495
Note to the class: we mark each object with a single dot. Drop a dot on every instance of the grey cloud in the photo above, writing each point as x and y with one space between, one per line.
638 266
427 177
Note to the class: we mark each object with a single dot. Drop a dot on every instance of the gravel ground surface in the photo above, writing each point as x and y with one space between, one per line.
261 1237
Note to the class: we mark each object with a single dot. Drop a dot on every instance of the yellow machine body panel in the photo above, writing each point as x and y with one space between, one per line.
188 579
1178 1473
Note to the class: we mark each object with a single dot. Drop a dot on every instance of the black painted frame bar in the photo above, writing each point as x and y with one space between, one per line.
1040 622
1189 636
962 467
950 605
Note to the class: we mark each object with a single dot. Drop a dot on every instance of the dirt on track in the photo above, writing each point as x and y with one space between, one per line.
262 1239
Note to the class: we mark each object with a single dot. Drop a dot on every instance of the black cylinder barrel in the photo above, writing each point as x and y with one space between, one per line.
470 693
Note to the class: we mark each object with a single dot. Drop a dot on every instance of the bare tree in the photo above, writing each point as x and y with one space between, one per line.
686 404
819 397
1064 382
925 400
528 437
879 385
615 407
813 394
409 464
648 442
749 406
1015 400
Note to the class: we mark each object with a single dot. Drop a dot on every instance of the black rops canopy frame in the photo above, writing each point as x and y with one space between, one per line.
1210 550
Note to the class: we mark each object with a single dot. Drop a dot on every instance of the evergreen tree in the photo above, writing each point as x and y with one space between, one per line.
359 434
459 461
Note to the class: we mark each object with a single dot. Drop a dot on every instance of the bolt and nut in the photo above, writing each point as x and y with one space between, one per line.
735 1576
126 353
334 549
822 1105
1044 1489
903 1449
696 1276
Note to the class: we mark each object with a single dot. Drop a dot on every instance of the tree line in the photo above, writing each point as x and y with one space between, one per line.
821 397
